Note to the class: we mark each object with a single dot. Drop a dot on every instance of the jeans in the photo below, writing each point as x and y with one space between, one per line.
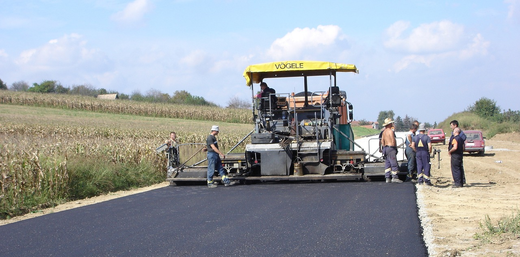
214 163
410 156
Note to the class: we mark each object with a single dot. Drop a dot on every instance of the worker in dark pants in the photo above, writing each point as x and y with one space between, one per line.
456 151
410 152
390 151
215 157
455 124
422 146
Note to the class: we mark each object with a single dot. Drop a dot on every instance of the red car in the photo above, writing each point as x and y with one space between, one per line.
475 142
437 136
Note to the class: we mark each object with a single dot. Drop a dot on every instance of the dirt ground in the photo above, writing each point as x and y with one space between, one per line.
450 216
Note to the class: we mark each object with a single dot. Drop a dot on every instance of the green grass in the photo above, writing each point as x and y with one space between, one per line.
362 131
92 177
505 227
471 121
51 155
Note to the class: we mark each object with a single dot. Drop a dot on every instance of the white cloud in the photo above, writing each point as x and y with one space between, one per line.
65 53
478 46
300 40
13 22
433 37
431 42
195 58
133 12
411 59
231 63
513 9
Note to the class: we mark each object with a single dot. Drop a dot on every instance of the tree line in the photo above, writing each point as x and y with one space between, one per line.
488 109
401 124
484 107
152 96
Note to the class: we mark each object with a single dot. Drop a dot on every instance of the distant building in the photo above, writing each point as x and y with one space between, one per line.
108 96
375 125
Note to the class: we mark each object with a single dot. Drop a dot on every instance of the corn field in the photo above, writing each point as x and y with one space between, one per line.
47 159
177 111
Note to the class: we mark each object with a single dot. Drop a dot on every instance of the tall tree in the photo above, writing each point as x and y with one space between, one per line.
399 125
407 122
20 86
237 103
3 86
137 96
383 115
47 86
485 108
86 90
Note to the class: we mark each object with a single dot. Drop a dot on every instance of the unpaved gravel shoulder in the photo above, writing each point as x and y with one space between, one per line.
452 216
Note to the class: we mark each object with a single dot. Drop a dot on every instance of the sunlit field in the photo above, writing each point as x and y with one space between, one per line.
59 148
50 155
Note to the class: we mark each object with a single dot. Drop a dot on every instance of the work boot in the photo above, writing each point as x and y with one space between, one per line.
211 184
396 180
230 183
388 180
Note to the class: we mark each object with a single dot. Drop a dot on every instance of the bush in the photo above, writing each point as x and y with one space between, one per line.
485 108
93 177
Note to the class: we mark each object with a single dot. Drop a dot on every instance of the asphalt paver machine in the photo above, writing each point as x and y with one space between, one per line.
302 135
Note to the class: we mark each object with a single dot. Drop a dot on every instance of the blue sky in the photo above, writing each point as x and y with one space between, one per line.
425 59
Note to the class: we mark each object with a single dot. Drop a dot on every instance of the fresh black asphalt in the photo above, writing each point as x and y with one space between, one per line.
268 219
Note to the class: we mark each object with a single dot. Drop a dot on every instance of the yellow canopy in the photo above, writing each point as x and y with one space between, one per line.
255 73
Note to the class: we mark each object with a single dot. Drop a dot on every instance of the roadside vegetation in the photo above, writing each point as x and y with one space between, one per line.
485 115
505 228
87 103
56 148
152 96
62 148
362 131
51 155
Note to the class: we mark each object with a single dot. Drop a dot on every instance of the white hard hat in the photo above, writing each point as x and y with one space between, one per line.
214 128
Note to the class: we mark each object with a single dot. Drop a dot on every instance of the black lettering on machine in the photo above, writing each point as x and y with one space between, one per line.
288 66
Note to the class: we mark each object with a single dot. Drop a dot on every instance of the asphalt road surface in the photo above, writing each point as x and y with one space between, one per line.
271 219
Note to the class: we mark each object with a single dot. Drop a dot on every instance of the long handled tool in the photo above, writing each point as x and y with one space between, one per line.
183 164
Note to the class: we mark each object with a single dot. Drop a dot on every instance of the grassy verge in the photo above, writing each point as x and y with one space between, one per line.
471 121
49 156
362 131
504 228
